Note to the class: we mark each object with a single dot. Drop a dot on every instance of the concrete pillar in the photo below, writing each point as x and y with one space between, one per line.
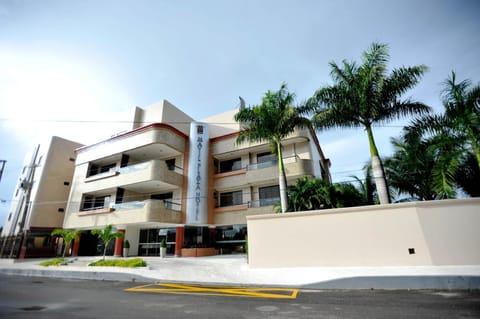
76 246
119 244
179 241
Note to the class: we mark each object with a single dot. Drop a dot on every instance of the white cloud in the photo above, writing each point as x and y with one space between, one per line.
44 95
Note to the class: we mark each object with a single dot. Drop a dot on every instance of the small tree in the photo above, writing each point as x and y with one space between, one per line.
67 235
107 235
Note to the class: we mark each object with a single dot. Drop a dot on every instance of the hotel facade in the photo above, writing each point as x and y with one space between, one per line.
181 181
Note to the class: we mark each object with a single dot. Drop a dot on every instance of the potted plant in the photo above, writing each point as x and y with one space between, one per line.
163 248
126 247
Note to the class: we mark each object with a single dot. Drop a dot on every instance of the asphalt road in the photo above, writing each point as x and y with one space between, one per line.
33 297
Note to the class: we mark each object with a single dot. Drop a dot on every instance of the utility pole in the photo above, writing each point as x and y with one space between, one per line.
21 209
2 166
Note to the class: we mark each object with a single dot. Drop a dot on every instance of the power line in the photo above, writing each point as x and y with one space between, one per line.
142 122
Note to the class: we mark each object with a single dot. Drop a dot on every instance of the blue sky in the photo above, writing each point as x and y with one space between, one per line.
64 62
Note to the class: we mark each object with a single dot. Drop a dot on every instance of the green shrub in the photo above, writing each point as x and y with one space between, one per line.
54 262
130 263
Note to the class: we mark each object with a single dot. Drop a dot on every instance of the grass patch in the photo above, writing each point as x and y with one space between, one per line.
130 263
54 262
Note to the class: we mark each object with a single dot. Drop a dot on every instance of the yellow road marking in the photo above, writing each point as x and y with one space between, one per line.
253 292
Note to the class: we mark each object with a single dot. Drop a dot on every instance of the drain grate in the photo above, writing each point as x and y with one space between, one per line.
32 308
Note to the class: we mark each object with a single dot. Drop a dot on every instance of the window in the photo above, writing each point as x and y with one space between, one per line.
66 183
231 199
170 164
231 239
230 165
61 210
266 157
107 168
95 202
95 169
269 195
199 129
162 196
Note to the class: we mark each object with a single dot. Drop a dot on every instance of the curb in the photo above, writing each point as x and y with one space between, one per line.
77 274
436 282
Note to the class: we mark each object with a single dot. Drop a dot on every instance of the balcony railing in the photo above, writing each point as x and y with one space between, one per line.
129 205
145 165
169 176
141 204
264 202
286 160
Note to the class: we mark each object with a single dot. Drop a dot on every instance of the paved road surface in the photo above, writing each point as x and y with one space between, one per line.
31 297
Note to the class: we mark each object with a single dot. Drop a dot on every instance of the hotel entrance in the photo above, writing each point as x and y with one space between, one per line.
150 240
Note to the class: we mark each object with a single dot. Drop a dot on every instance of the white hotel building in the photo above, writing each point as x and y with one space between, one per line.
183 181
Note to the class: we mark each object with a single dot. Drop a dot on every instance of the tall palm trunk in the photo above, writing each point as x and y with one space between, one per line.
378 171
282 178
475 146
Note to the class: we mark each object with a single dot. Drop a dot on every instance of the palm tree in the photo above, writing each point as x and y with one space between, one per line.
271 121
468 175
313 193
347 195
67 235
309 194
459 125
366 186
422 168
107 235
364 95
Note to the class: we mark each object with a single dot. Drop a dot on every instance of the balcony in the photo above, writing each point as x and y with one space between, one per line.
155 138
268 171
151 211
229 180
154 175
226 144
137 212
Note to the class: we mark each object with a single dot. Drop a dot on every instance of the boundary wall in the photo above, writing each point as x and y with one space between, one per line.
445 232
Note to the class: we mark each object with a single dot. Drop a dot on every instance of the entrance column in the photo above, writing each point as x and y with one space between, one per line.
179 241
119 244
76 245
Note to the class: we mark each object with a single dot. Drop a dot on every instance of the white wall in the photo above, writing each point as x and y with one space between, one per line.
441 233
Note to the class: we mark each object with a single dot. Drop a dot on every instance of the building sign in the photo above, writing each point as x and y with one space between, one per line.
197 204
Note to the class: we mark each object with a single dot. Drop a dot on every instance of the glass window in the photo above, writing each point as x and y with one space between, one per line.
266 157
230 239
269 195
231 198
170 164
92 170
107 168
95 202
95 169
230 165
197 237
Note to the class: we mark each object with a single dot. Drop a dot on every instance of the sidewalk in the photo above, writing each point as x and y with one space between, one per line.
234 270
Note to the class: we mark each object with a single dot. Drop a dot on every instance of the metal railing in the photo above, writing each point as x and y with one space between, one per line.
286 160
263 202
141 204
